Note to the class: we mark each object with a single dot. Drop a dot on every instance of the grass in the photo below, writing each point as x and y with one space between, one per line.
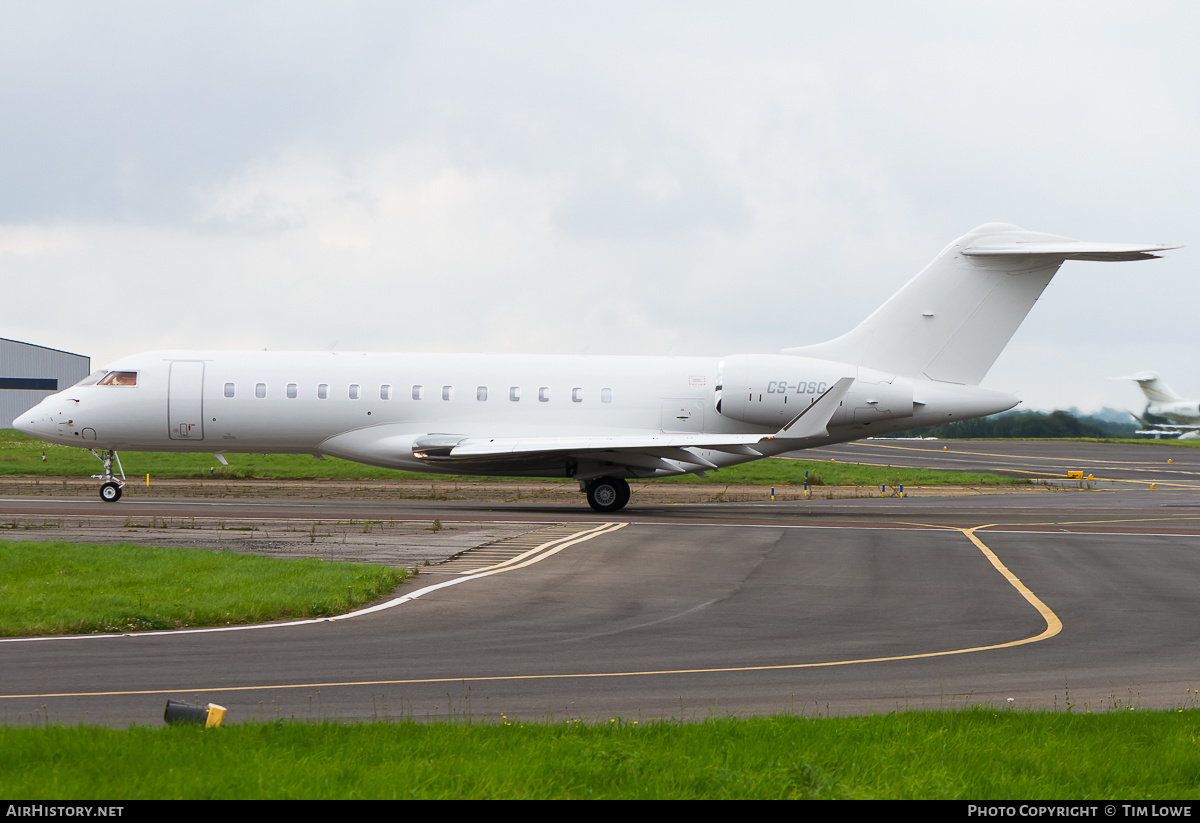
789 471
21 455
976 753
63 588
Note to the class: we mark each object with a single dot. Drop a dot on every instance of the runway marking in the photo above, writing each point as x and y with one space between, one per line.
1053 624
551 547
1189 485
1172 518
1144 466
1050 458
1179 484
533 543
1043 473
860 460
1053 627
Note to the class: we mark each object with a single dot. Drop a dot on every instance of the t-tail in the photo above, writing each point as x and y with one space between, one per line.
1154 388
951 321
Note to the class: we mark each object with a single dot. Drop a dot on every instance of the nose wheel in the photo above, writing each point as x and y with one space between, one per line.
110 489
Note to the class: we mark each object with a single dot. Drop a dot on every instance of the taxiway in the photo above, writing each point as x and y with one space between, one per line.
1069 598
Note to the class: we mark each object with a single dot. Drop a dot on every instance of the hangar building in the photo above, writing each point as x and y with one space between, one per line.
30 373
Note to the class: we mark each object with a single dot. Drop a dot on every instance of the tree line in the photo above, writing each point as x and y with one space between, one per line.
1024 424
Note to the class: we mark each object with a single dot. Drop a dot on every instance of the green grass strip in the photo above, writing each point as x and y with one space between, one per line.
780 471
64 588
976 753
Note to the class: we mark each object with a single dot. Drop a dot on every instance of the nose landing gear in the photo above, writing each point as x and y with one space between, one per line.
110 489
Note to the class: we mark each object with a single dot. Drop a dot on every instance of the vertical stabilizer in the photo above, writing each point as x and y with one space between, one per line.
1154 388
951 321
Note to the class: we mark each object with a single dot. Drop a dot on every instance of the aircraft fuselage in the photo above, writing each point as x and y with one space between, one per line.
375 408
1185 412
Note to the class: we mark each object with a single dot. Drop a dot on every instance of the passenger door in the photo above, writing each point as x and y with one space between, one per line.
185 400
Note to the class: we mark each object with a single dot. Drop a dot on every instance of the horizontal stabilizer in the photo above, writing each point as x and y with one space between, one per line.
1070 250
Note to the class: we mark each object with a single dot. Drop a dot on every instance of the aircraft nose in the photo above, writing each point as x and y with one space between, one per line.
31 422
39 422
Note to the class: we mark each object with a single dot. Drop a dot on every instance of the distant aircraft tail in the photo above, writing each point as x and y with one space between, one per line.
1154 388
951 321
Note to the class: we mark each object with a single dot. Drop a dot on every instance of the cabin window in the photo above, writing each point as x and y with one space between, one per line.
353 391
544 394
385 392
576 395
323 391
514 393
418 392
481 392
229 390
447 392
606 395
292 391
260 390
119 378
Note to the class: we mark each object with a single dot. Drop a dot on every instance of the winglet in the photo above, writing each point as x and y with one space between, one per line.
814 421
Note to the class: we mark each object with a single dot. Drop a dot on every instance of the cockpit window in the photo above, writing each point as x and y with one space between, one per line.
92 379
119 378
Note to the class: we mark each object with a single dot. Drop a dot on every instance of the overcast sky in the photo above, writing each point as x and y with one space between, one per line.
602 177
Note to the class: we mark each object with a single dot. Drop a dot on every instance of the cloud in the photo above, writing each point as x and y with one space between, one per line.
616 178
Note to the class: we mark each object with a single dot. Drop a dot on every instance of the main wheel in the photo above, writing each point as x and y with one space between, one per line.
110 492
607 494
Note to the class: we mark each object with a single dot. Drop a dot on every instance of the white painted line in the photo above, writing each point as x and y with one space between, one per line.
399 601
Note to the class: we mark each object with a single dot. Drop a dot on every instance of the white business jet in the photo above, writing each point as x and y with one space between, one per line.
916 361
1166 412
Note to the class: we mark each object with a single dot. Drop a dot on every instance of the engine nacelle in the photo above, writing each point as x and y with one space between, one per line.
771 389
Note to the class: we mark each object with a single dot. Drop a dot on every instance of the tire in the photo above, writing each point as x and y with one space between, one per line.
607 494
110 492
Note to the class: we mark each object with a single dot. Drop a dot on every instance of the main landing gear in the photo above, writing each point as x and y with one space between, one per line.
110 489
607 494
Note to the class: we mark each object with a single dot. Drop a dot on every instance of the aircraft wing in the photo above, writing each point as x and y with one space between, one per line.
673 452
